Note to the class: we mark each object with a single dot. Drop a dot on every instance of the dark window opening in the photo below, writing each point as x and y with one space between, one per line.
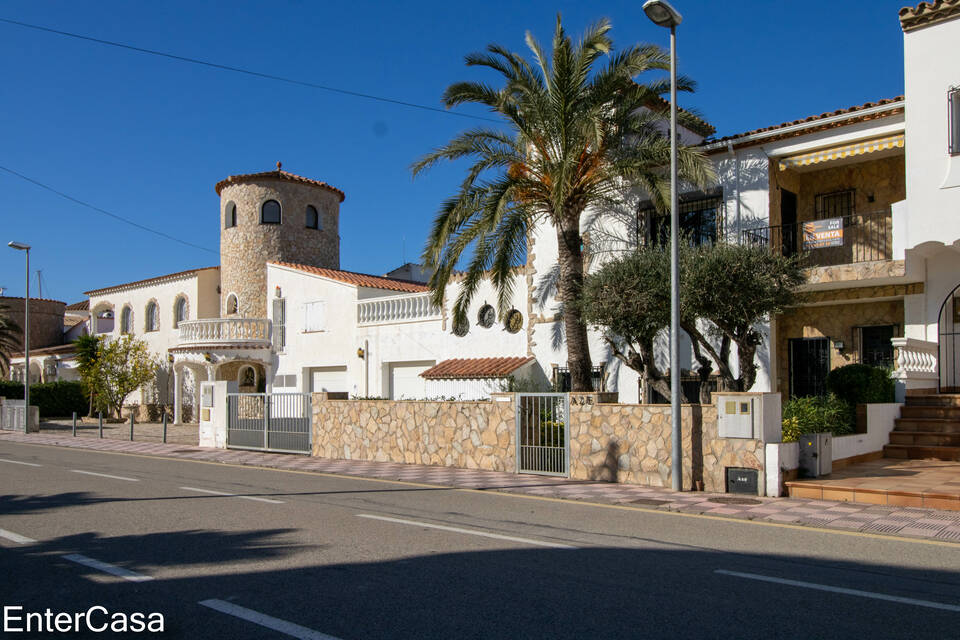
700 217
231 215
875 346
689 385
313 218
953 105
837 204
270 212
562 383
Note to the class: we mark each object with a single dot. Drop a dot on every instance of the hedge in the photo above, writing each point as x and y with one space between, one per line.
817 415
861 384
54 399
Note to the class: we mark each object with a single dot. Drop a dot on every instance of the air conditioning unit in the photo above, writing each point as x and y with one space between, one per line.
816 454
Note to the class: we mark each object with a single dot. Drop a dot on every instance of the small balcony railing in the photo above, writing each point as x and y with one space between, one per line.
225 330
866 237
395 309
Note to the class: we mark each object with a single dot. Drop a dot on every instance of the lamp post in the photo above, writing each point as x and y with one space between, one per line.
19 246
662 14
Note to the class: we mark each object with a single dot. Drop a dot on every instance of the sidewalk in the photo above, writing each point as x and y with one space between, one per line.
928 524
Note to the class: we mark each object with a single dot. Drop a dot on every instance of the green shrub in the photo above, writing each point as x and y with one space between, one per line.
861 384
817 415
11 389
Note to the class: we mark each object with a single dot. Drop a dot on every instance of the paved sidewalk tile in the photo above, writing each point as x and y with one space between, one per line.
929 524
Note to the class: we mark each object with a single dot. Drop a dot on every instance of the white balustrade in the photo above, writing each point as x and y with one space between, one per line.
394 309
916 359
225 330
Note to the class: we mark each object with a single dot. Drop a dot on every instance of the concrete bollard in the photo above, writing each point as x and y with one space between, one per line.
74 424
164 427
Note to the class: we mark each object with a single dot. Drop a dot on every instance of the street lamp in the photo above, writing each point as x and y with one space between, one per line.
19 246
662 14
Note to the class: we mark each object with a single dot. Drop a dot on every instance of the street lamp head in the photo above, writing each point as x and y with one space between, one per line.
19 246
662 13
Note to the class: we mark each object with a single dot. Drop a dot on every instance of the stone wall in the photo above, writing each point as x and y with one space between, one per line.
46 320
245 248
470 435
631 444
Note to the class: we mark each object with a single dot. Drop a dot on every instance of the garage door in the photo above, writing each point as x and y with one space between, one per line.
328 379
405 380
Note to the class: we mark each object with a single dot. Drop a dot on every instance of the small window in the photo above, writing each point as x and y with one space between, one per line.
700 217
279 324
953 99
233 304
313 218
179 311
486 316
153 322
838 204
230 216
513 321
126 320
270 212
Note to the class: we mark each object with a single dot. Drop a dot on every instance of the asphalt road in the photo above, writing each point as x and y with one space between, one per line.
231 552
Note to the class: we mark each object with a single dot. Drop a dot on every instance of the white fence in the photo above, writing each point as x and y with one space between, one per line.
393 309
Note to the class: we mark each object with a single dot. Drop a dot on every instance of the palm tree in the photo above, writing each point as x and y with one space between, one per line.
10 340
575 135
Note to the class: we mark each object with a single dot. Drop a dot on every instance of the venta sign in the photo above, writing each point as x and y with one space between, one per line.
820 234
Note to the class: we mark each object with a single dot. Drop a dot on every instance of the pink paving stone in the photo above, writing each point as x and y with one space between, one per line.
918 531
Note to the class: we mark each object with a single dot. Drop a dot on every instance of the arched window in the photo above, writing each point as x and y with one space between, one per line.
313 218
270 212
126 320
230 216
153 321
233 304
179 311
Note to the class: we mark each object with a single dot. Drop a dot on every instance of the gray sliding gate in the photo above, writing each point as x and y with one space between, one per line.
543 445
269 422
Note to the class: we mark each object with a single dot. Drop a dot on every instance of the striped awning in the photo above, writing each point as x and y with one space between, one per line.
842 151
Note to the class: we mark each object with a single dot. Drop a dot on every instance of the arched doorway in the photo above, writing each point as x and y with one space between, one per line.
948 334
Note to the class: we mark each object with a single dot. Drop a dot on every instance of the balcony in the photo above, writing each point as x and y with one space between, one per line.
222 331
397 309
866 237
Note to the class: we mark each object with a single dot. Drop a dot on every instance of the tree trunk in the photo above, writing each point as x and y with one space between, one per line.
570 255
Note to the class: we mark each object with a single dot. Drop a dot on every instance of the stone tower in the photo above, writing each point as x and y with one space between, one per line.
272 216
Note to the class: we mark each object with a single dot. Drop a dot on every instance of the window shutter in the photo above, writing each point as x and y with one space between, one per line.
279 323
314 316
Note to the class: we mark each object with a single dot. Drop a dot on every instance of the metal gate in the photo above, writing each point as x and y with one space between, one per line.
543 445
269 422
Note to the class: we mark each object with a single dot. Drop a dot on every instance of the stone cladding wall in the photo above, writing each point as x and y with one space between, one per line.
46 320
246 248
468 435
631 444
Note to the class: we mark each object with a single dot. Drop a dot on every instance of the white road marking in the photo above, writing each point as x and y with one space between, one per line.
15 537
470 532
28 464
262 619
232 495
104 475
850 592
113 570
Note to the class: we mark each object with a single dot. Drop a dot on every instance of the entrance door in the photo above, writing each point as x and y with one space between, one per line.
809 364
788 222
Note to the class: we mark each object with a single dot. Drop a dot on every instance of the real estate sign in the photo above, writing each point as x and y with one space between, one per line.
820 234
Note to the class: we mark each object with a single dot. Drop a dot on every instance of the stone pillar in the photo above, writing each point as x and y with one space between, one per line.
177 395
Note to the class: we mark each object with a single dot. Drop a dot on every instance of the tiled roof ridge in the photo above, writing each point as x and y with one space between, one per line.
473 368
136 283
809 119
83 305
32 298
358 279
927 13
277 174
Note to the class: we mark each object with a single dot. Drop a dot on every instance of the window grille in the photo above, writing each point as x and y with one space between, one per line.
836 204
689 384
701 220
562 383
953 108
874 345
279 322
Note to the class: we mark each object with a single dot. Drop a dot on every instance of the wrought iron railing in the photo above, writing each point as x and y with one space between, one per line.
866 237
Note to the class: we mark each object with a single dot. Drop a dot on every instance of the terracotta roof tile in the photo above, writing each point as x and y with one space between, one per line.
359 279
138 283
279 174
927 13
810 119
83 305
471 368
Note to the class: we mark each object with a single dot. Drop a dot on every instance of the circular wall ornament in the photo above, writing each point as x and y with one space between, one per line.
461 329
487 316
514 321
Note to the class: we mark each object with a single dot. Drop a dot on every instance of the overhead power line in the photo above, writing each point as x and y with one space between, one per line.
104 211
249 72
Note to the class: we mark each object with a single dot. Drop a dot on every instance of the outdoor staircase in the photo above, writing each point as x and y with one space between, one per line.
928 428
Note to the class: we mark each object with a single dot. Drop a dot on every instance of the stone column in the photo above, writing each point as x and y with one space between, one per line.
177 395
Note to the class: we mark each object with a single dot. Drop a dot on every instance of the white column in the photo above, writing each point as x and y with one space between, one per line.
177 395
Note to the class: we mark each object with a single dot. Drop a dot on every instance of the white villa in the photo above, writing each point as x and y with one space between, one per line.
278 313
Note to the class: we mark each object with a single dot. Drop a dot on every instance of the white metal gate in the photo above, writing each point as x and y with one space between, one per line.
543 443
269 422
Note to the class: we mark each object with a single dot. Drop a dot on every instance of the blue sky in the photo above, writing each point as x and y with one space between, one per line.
147 138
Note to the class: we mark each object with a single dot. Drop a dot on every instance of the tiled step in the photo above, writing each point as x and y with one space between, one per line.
940 425
853 492
934 400
935 438
909 411
921 452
